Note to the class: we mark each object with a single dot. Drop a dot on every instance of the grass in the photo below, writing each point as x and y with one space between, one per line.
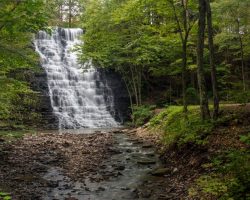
15 134
228 174
180 128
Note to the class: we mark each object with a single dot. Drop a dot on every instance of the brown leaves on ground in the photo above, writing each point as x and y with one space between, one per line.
23 162
187 162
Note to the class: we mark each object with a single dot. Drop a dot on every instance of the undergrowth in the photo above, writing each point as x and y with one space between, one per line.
181 128
12 135
227 175
4 196
142 114
230 177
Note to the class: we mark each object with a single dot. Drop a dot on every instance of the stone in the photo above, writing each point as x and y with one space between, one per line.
125 188
112 79
101 189
160 171
146 161
114 151
175 170
120 167
145 146
129 151
145 194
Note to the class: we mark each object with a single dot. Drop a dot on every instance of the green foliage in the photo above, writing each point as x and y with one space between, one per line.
18 21
142 114
180 128
192 96
5 196
231 179
245 139
239 96
12 135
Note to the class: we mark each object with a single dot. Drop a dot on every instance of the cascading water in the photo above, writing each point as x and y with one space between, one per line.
77 94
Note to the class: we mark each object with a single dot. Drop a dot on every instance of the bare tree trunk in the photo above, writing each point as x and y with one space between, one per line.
140 85
184 37
130 95
70 13
184 55
212 61
134 86
242 55
184 75
205 114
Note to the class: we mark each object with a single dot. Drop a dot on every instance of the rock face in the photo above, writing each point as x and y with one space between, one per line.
108 77
39 84
121 99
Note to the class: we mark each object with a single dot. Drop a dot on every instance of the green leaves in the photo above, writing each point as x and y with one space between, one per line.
5 196
19 20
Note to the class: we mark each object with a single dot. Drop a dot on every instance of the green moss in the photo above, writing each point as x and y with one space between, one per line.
12 135
180 128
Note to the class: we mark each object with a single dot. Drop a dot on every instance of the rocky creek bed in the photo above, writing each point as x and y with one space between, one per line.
105 165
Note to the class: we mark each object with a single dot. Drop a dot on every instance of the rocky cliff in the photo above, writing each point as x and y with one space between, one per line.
121 99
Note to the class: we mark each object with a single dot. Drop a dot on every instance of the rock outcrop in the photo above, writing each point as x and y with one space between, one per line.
121 99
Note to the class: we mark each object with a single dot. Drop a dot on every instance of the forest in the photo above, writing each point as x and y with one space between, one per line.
184 66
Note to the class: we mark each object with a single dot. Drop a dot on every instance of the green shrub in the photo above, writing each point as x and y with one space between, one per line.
142 114
239 96
180 128
192 96
230 180
4 196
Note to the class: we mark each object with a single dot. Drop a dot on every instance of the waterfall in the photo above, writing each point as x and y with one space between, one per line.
77 95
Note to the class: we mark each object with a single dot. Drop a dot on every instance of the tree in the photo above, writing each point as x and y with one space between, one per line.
205 114
185 22
234 19
65 13
125 36
19 20
212 60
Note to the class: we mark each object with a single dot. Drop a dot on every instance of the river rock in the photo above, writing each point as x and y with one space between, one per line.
101 189
146 161
125 188
147 146
114 151
129 151
120 167
161 171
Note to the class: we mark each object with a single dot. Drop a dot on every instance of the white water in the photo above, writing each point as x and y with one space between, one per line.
77 96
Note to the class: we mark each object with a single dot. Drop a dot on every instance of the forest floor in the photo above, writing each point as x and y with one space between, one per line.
189 161
101 166
24 162
117 164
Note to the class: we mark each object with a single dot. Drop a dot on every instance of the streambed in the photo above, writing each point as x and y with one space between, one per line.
128 166
82 164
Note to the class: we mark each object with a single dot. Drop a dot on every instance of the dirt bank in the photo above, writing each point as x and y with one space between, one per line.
187 162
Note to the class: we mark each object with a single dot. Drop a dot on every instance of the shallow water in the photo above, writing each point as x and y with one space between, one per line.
122 171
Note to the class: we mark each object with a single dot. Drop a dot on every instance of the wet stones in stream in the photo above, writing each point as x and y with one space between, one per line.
98 166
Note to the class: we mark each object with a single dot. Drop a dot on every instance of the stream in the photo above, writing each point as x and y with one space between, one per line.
129 165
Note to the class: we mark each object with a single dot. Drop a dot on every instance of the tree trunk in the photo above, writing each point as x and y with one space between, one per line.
140 85
70 13
242 55
205 114
212 61
184 74
135 84
184 55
